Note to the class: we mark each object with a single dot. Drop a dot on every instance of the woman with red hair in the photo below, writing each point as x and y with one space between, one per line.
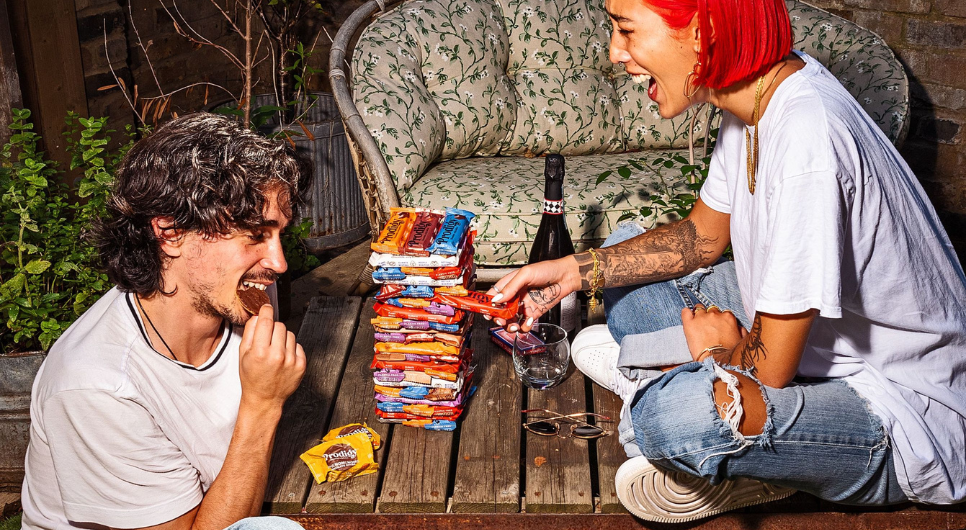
828 356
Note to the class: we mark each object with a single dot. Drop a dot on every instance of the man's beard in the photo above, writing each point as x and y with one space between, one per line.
206 306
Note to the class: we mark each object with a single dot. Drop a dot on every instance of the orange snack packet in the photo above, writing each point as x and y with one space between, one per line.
341 459
354 428
393 237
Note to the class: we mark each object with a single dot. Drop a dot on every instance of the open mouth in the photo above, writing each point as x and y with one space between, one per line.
252 296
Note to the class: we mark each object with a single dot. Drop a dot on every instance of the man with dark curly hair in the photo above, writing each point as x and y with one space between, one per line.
158 407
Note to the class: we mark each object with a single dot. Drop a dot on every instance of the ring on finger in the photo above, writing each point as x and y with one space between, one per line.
495 288
712 306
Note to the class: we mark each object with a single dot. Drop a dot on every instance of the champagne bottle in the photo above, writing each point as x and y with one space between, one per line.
553 241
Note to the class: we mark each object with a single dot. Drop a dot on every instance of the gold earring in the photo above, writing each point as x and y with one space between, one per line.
689 81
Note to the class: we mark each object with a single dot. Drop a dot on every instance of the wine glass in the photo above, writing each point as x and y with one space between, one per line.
542 356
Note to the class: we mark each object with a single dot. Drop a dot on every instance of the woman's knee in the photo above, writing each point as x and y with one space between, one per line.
691 407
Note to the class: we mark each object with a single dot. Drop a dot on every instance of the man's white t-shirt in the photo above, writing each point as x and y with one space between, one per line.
839 223
121 435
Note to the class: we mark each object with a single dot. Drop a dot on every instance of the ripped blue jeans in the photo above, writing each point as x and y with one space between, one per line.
819 436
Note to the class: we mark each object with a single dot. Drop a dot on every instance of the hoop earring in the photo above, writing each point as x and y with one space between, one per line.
689 81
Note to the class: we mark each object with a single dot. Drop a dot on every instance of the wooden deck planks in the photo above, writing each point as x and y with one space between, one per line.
610 454
307 411
488 463
417 471
354 403
558 467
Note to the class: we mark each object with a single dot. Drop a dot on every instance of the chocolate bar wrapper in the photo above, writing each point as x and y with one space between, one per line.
409 313
452 403
423 411
394 234
504 339
418 348
422 234
386 274
406 416
455 227
434 382
379 259
429 425
393 290
425 304
482 303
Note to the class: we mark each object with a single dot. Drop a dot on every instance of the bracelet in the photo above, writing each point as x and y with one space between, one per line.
596 281
711 351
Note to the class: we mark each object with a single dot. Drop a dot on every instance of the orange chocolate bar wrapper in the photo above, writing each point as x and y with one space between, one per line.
418 348
440 374
456 290
393 237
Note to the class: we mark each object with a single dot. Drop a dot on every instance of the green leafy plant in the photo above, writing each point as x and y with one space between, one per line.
682 203
48 273
297 255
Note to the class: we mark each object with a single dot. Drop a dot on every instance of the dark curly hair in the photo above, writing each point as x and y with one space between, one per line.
207 173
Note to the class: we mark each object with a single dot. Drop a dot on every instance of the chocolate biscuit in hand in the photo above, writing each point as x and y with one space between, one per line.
252 299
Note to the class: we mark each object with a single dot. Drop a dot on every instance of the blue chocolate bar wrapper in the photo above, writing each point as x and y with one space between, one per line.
451 232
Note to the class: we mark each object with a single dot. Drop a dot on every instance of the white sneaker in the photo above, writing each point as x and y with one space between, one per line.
595 353
673 497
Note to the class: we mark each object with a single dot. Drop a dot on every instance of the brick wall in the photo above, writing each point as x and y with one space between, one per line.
929 37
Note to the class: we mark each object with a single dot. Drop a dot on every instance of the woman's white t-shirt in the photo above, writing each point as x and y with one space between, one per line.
839 223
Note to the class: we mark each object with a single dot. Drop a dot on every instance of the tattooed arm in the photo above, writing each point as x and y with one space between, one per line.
665 252
669 251
772 349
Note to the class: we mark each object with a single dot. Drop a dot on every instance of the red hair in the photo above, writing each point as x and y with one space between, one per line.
749 36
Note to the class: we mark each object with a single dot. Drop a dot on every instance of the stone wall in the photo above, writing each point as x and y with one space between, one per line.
929 37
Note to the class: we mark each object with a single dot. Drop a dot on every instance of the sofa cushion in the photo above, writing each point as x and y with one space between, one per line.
506 193
438 80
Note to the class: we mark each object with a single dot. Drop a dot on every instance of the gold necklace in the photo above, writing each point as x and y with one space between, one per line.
752 165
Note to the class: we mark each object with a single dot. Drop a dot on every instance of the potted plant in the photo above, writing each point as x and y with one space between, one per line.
48 274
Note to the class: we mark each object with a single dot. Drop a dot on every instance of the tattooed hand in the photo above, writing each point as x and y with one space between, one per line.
704 328
540 286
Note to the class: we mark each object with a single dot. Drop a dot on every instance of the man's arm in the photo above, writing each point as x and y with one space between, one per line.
666 252
271 365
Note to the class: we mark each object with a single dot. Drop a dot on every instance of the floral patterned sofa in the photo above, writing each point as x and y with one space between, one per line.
451 102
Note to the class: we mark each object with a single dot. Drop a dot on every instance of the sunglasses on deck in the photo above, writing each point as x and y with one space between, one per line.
578 427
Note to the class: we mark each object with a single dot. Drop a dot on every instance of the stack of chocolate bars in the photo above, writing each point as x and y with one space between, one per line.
422 366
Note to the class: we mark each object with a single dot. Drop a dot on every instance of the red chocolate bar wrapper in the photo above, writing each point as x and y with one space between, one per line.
393 237
482 303
414 366
389 290
410 313
423 234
